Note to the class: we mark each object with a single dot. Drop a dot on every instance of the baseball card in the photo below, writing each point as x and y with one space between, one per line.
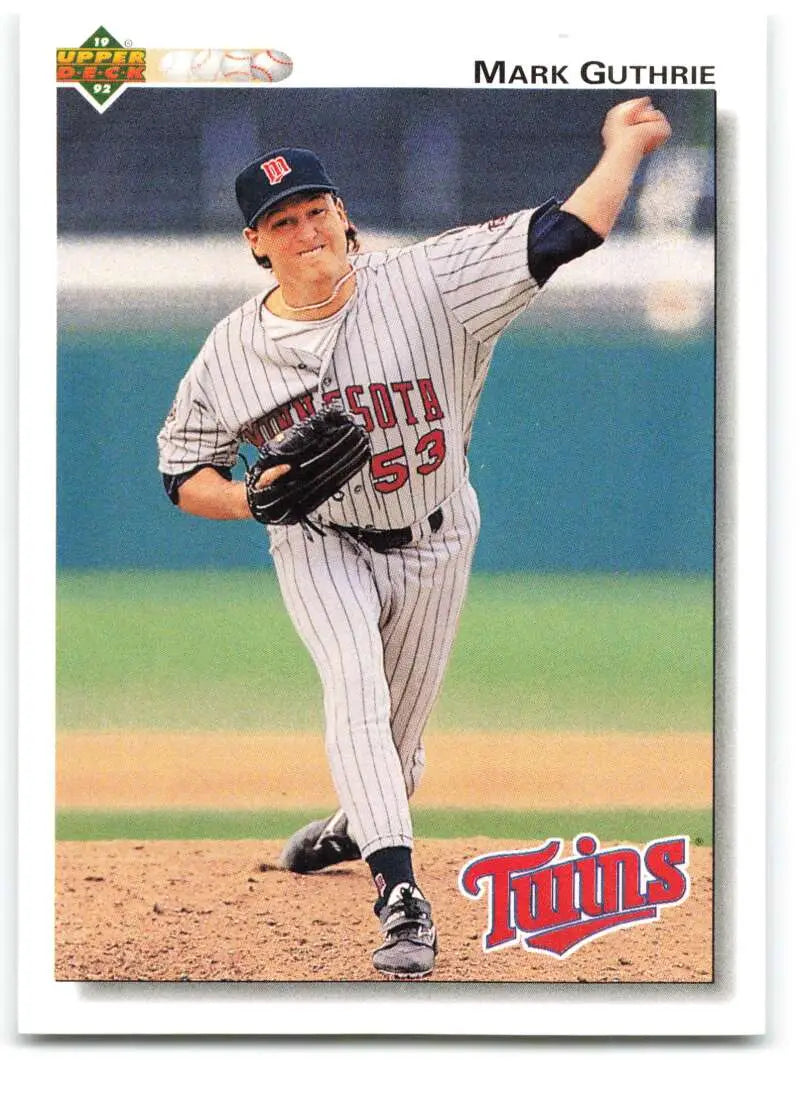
397 472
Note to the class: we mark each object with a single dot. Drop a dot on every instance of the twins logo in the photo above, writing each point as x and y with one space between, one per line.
275 169
557 906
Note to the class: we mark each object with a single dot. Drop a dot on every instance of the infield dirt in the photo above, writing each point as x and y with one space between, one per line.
237 770
203 911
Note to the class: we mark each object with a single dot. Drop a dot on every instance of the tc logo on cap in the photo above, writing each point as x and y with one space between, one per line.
276 169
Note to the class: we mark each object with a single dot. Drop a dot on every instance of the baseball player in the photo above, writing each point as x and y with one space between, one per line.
401 340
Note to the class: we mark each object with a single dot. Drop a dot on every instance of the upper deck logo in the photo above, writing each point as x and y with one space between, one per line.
100 68
557 906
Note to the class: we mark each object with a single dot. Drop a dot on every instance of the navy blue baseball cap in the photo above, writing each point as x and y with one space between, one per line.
278 175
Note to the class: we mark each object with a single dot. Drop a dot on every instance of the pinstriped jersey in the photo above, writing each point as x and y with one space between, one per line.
407 355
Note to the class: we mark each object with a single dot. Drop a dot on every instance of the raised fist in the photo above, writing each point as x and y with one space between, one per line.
638 124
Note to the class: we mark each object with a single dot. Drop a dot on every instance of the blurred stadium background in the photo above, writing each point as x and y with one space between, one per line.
593 446
593 453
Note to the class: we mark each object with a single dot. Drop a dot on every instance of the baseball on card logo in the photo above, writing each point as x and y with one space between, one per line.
555 906
101 67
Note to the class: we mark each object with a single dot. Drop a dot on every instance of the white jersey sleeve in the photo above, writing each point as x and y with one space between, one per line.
483 274
194 433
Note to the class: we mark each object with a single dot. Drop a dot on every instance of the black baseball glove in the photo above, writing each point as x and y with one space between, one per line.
324 452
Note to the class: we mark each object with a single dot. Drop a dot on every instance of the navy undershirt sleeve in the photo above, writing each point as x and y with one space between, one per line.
556 237
173 482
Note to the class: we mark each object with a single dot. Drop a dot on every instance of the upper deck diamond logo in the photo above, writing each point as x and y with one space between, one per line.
100 68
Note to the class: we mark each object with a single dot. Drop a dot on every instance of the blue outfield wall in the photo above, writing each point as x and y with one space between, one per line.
593 450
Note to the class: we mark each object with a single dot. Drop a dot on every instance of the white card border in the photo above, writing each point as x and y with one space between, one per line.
46 1006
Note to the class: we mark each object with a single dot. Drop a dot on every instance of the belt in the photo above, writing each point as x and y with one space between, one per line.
390 539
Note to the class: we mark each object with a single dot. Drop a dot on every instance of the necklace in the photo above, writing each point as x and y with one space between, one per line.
322 303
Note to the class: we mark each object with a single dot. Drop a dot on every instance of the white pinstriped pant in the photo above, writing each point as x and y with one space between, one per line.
380 629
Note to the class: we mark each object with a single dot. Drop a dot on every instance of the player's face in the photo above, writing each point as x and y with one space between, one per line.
303 237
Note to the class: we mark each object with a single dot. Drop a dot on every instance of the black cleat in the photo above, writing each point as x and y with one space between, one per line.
318 845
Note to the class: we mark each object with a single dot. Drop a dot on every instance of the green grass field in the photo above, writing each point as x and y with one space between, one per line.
214 650
429 823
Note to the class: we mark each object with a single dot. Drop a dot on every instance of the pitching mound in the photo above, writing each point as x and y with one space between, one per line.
222 911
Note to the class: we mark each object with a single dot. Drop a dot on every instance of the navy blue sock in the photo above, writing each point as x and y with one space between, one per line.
390 866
